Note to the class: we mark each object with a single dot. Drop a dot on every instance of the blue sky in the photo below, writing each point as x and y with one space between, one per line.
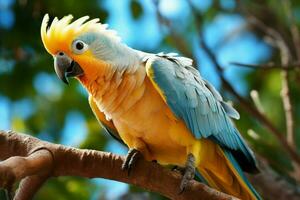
144 33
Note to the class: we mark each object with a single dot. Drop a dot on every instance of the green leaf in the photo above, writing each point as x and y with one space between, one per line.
136 9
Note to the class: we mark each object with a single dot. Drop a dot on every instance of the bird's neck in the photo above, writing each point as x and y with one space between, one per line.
116 91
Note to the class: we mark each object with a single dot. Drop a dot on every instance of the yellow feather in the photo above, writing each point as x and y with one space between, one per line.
150 73
61 33
99 115
138 111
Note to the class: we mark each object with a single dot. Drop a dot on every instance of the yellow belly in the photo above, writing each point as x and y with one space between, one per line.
151 127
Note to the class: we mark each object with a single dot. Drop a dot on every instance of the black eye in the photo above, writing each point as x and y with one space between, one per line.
79 45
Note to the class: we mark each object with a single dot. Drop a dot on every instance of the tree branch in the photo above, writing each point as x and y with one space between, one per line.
272 185
13 168
249 107
293 26
29 186
179 42
285 55
285 59
268 66
29 156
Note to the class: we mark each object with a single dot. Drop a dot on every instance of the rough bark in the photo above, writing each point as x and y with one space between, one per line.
31 160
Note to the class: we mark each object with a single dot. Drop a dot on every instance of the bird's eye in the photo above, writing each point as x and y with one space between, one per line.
79 47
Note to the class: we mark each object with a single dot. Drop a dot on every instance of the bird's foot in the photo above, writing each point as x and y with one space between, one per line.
179 169
189 172
131 158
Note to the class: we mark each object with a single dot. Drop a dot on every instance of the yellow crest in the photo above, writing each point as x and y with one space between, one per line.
60 34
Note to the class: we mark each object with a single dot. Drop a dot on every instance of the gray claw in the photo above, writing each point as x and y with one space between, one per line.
189 172
131 158
179 169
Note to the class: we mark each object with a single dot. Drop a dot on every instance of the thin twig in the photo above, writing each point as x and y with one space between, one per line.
268 30
273 184
251 109
286 98
293 26
267 66
178 41
285 76
285 56
294 31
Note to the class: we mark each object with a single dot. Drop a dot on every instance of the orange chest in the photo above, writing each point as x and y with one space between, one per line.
149 106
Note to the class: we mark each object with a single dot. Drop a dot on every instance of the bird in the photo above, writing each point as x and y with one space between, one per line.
158 105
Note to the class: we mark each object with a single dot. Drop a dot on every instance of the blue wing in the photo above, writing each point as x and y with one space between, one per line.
197 102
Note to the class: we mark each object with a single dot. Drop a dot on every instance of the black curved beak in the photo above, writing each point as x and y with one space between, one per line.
65 67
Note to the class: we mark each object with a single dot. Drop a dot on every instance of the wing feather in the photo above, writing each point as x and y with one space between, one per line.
197 102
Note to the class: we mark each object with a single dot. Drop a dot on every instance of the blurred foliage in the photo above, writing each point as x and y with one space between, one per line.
21 45
136 9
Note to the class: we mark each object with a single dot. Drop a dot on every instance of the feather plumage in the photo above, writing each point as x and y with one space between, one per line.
191 95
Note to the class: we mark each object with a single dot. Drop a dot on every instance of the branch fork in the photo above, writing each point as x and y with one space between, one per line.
33 161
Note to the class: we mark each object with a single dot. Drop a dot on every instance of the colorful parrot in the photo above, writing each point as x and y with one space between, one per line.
156 104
